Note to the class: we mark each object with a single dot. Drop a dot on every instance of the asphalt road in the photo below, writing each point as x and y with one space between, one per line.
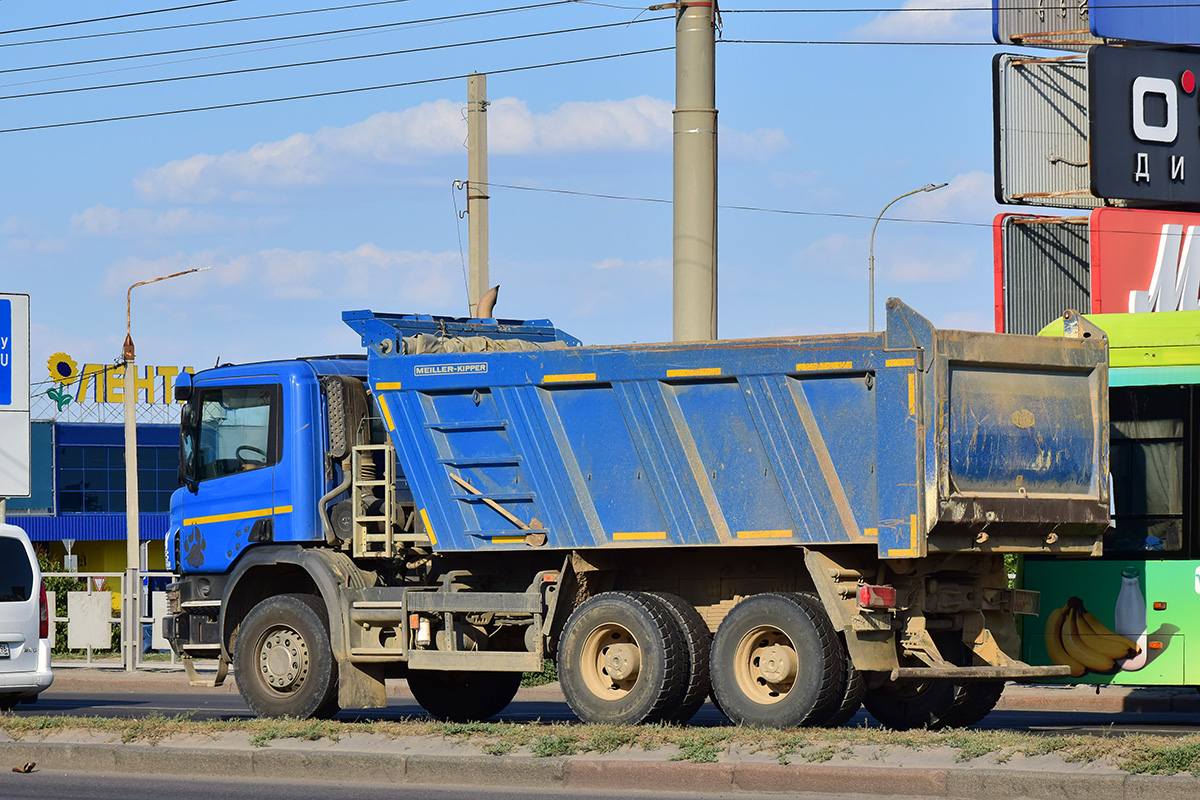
54 785
173 695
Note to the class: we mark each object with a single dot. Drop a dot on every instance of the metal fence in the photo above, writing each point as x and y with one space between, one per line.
91 619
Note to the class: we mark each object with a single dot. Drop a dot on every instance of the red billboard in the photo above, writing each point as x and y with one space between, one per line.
1121 260
1144 260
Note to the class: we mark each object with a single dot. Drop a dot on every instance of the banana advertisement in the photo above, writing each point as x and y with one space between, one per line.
1114 622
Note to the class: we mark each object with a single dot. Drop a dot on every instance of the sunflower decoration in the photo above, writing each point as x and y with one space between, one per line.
63 369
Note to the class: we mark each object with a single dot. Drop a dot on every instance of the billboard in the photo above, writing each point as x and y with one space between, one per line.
1041 123
1075 25
14 395
1144 260
1043 268
1143 123
1115 260
1158 21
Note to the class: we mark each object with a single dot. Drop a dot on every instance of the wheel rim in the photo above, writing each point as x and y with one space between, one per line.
765 665
610 662
283 659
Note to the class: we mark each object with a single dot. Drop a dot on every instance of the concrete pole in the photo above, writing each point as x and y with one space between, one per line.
695 191
477 188
130 629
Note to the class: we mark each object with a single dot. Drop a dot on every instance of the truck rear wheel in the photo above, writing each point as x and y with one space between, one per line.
458 696
283 661
935 704
622 659
777 662
698 642
852 698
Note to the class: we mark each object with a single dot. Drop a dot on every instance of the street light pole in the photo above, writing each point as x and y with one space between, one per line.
929 187
131 631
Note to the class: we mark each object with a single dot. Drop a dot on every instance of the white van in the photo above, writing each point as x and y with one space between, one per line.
24 621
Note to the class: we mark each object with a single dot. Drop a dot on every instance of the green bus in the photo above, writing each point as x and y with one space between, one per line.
1129 616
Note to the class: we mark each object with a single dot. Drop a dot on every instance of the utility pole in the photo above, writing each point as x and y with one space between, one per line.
477 189
694 246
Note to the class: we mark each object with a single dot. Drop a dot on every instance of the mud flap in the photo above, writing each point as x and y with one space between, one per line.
194 677
361 685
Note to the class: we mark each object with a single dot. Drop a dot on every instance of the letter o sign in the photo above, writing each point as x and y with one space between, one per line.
1143 87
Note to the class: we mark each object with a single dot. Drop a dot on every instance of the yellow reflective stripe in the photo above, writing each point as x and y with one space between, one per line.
428 527
508 540
638 535
702 372
574 377
823 366
871 532
262 512
382 387
900 362
912 394
912 550
764 534
387 415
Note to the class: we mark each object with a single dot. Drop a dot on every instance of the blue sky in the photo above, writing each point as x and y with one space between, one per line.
306 208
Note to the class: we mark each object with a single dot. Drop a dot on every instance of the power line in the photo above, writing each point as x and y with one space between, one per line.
862 43
117 16
331 93
758 209
334 60
291 37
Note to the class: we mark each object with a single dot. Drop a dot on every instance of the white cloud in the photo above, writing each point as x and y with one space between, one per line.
921 260
428 130
141 223
968 195
758 145
423 279
930 21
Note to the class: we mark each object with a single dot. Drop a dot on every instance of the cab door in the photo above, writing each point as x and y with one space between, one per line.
236 447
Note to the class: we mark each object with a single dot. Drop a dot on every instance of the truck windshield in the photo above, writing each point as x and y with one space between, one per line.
237 430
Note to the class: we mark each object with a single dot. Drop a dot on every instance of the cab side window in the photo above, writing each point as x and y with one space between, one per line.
238 430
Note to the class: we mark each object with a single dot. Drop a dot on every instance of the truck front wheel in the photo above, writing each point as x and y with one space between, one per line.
778 662
283 661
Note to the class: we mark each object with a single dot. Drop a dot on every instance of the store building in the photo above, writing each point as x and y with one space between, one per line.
77 503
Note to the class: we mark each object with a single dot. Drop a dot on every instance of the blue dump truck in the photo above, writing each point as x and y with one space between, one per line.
794 526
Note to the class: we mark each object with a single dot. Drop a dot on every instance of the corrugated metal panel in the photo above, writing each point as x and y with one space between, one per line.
1047 269
1014 20
90 527
1041 133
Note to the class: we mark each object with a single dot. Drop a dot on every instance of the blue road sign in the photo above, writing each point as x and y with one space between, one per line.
6 353
1160 21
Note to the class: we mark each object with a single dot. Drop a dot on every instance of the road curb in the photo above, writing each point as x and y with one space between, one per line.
590 772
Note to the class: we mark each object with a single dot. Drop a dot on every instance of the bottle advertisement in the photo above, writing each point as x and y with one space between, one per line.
1112 622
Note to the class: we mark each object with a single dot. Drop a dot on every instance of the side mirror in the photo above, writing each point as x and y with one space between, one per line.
183 386
187 448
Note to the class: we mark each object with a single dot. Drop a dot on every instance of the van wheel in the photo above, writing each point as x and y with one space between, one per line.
622 659
458 696
777 662
283 661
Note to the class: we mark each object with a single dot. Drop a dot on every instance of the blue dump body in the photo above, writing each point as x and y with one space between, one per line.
913 440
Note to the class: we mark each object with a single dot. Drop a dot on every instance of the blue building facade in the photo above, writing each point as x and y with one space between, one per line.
78 488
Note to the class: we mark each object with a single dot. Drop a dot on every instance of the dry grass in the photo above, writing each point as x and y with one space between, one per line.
1134 753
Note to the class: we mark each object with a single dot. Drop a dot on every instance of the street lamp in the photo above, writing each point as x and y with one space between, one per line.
130 629
929 187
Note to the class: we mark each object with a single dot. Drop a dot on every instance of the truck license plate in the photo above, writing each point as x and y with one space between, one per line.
3 650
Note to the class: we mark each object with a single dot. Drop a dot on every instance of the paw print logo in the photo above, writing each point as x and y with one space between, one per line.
194 546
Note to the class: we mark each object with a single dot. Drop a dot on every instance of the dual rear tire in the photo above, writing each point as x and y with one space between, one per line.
776 661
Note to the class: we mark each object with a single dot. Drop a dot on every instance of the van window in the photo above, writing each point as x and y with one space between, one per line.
16 573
